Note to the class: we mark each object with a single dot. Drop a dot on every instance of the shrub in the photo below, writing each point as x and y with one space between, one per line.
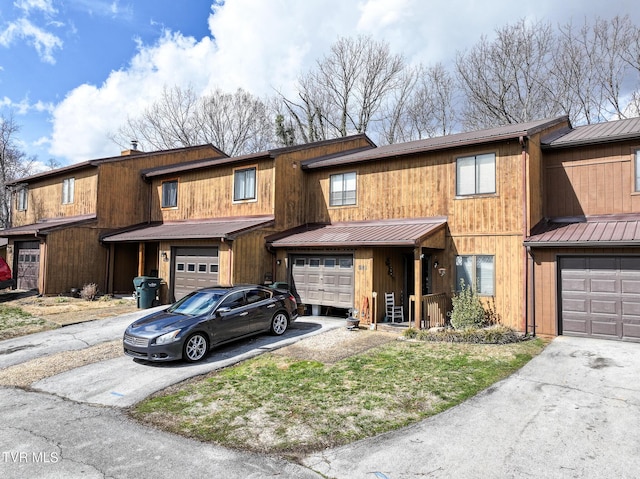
490 335
467 309
89 292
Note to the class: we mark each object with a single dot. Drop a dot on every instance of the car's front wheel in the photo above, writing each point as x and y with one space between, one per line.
195 347
279 324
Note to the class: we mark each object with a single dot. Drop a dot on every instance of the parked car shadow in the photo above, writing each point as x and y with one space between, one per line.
263 342
13 294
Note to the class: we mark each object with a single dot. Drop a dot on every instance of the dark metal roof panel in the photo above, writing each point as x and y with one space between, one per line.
227 228
506 132
588 231
401 232
200 164
47 225
618 130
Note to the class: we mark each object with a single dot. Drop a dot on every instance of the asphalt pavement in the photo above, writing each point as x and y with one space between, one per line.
571 412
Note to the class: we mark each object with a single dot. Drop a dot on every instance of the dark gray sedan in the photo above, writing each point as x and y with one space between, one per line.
209 317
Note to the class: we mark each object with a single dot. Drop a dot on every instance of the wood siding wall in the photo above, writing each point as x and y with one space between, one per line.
591 181
44 198
74 258
209 194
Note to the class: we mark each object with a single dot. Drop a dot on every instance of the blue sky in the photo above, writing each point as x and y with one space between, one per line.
72 70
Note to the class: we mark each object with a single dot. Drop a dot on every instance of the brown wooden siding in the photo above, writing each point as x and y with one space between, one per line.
546 284
206 194
45 198
591 181
74 258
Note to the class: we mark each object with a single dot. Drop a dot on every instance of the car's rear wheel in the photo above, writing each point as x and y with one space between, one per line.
279 323
195 347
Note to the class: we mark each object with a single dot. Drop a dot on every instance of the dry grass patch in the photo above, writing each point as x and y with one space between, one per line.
25 374
290 405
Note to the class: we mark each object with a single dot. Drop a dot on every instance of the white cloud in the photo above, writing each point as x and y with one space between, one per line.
28 6
44 42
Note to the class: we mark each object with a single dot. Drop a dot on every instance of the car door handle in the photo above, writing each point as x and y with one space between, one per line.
244 314
271 306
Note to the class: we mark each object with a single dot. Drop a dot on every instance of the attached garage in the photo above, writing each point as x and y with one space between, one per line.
324 279
600 296
194 268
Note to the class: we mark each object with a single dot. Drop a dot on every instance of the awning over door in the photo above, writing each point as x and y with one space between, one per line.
396 232
218 228
47 225
586 231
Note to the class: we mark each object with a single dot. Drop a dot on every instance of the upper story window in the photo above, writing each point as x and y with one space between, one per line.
477 271
476 175
637 168
22 199
244 184
342 189
170 194
68 187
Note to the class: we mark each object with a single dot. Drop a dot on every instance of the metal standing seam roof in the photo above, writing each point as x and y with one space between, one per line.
587 231
401 232
47 225
618 130
227 228
512 131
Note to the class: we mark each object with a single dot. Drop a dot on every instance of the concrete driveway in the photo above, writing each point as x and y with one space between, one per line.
572 412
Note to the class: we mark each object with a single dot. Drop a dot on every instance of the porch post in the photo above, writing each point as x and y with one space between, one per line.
140 259
417 260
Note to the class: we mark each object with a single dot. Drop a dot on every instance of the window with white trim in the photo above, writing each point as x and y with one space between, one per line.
244 184
170 194
68 187
477 271
637 172
476 175
23 194
342 189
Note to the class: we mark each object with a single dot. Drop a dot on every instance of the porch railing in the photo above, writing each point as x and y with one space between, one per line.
434 310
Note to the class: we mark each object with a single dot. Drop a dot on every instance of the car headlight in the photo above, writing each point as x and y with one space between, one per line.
167 338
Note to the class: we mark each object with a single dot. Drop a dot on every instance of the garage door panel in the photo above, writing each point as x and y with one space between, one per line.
574 284
602 264
574 305
579 263
631 330
604 286
631 308
630 286
604 307
605 328
575 326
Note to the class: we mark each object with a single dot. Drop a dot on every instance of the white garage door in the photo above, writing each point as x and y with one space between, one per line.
325 280
194 268
600 297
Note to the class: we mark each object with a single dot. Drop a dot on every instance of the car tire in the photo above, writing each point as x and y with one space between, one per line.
279 323
195 348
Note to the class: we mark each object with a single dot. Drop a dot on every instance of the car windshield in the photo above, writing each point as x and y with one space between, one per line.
196 303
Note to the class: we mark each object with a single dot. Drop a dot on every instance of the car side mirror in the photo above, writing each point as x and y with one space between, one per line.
222 311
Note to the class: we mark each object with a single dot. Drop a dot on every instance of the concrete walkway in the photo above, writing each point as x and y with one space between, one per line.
572 412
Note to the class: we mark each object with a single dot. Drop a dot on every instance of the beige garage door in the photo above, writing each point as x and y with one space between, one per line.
194 268
600 297
325 280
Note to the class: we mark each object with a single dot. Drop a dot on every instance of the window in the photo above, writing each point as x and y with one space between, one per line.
68 186
637 165
476 175
22 199
244 184
342 189
170 194
234 300
477 271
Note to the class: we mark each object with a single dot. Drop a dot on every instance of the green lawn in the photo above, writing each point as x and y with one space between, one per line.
276 404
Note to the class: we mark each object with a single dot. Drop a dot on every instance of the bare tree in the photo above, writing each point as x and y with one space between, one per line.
505 81
14 164
236 123
346 91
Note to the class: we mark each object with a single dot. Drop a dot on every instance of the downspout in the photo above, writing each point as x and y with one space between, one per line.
533 291
525 261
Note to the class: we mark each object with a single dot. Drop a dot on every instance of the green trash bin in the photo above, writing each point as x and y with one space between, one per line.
146 290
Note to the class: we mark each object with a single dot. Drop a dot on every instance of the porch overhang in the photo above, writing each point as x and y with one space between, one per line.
603 231
46 226
410 232
213 228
